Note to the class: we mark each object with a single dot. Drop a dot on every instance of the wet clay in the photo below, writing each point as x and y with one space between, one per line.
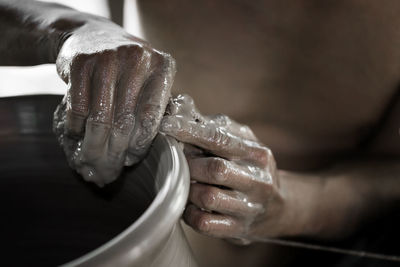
48 211
228 166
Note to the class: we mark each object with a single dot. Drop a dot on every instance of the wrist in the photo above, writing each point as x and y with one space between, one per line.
301 194
76 24
93 36
319 205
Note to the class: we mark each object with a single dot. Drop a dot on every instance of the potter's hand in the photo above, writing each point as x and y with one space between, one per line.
118 88
236 192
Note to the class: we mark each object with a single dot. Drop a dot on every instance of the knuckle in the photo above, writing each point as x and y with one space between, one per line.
218 169
97 120
140 55
265 186
164 61
80 59
95 117
149 119
125 53
145 58
79 109
123 123
264 156
169 62
74 123
202 223
81 65
148 122
222 119
219 137
104 58
76 112
135 49
209 198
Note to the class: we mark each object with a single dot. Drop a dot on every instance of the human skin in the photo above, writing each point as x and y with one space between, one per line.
316 83
239 194
300 122
118 85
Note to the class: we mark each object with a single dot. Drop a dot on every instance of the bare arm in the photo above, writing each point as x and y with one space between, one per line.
33 32
331 203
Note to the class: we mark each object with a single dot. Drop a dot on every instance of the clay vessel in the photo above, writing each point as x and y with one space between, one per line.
50 216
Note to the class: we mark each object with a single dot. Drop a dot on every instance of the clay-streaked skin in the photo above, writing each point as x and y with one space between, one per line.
317 82
236 180
238 194
118 88
118 85
296 72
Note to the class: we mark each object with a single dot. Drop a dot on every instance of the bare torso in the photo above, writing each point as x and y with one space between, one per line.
311 80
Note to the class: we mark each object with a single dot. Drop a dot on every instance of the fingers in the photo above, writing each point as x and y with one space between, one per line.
103 89
211 224
226 202
192 151
59 121
153 101
78 96
219 171
116 101
129 87
216 140
98 124
101 107
216 134
232 126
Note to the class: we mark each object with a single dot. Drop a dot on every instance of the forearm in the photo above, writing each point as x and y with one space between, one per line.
332 203
33 32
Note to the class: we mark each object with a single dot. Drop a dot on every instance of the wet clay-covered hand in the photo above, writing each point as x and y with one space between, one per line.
118 89
236 192
118 85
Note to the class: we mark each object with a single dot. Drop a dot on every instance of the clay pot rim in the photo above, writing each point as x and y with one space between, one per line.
156 224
